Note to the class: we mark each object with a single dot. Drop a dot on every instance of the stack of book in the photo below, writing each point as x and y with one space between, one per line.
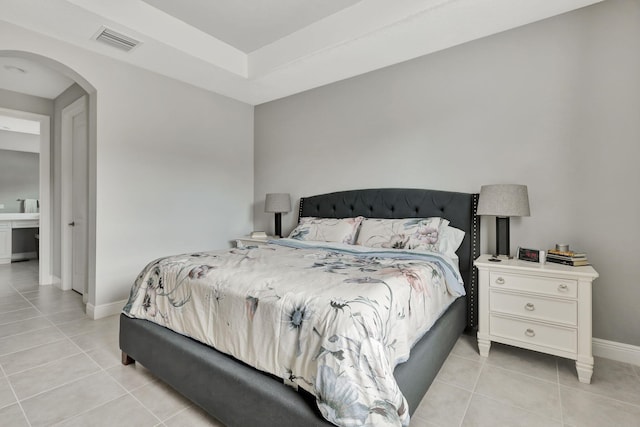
572 258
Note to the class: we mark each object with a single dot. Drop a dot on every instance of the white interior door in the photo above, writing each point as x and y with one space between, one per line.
74 196
79 202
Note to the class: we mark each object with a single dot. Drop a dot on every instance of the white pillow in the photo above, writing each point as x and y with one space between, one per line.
450 240
341 230
406 233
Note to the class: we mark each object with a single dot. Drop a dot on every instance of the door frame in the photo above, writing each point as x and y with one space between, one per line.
66 196
45 276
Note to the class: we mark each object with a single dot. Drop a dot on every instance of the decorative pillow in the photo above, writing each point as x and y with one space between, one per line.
450 240
407 233
341 230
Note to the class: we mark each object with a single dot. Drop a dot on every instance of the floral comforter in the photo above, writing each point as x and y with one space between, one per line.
332 319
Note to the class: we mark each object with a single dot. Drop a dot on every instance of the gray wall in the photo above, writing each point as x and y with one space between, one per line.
19 178
554 105
20 162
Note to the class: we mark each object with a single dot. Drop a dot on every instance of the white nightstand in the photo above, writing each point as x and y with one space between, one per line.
542 307
245 241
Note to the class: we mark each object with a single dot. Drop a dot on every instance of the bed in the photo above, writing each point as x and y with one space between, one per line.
239 395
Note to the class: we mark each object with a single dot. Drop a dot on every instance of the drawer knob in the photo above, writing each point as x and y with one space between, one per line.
530 333
529 306
563 288
500 281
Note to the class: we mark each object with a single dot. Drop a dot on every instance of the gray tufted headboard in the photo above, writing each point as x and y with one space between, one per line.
458 208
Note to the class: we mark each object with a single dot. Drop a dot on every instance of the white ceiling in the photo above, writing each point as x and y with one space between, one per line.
30 77
250 25
260 50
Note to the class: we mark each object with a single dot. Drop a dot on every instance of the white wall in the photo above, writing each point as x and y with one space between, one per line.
554 105
172 164
19 141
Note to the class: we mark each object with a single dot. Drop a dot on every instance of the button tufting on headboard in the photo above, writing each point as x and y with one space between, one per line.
458 208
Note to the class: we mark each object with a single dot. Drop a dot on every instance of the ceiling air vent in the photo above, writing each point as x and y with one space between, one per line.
116 39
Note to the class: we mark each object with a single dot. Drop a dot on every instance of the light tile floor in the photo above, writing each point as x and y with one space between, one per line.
57 367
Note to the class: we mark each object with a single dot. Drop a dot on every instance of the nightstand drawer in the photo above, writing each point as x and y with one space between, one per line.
540 285
565 339
535 307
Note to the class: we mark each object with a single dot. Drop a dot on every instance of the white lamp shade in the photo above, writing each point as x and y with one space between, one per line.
503 200
277 202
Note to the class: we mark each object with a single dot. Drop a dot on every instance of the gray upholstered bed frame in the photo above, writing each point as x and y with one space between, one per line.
239 395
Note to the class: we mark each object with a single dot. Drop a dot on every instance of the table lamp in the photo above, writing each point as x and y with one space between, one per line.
277 203
503 201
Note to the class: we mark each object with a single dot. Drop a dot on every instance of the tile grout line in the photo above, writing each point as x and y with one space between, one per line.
43 364
15 395
559 393
24 414
81 351
101 369
483 362
523 374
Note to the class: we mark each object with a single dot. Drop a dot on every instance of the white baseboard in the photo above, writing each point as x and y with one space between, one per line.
99 311
626 353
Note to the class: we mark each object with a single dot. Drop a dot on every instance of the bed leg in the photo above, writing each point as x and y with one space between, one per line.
126 359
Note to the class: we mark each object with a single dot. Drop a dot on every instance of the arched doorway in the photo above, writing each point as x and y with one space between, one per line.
55 186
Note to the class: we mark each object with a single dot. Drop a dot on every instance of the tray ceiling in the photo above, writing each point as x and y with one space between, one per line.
260 50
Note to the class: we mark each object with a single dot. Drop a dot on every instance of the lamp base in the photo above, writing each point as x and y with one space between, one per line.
502 237
278 224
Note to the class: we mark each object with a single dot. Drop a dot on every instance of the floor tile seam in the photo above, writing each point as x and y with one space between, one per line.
438 380
427 422
538 414
478 361
36 346
637 405
25 332
26 318
521 373
473 391
61 385
130 392
63 310
178 413
470 390
23 320
152 380
8 307
42 365
15 395
82 350
20 309
100 369
85 411
82 333
466 409
560 393
161 382
63 323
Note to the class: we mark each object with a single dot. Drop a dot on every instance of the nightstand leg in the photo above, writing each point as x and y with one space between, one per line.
484 345
585 370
